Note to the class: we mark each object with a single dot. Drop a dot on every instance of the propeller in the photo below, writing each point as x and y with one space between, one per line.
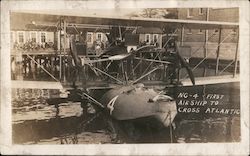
185 64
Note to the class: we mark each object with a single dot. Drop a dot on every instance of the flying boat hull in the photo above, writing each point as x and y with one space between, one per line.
134 102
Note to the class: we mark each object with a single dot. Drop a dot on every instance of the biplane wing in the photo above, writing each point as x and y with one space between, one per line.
50 21
212 80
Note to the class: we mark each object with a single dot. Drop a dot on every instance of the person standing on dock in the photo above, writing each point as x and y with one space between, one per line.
33 68
13 68
19 66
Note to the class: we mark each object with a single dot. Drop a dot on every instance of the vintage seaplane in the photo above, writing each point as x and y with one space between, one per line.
129 95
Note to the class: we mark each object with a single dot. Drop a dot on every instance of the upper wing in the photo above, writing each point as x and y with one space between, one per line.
212 80
49 22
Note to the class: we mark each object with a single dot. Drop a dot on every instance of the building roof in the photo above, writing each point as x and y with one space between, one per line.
151 30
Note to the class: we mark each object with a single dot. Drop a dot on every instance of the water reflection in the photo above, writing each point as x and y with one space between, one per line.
54 124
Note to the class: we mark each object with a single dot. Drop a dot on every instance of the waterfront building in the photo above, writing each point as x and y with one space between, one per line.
205 42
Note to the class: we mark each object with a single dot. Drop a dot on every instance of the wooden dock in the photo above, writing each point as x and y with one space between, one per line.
36 84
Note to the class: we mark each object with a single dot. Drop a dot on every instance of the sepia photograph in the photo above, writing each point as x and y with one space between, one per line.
147 75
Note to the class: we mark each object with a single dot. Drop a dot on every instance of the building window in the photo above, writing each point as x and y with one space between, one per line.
77 37
190 13
99 36
234 32
147 38
89 37
189 31
33 36
43 37
20 37
216 31
200 31
155 38
201 11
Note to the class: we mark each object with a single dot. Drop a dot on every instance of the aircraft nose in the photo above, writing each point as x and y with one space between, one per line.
167 112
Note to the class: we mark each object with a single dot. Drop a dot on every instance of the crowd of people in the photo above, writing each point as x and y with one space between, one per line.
32 45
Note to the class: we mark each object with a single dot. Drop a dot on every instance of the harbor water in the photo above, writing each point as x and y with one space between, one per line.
35 121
